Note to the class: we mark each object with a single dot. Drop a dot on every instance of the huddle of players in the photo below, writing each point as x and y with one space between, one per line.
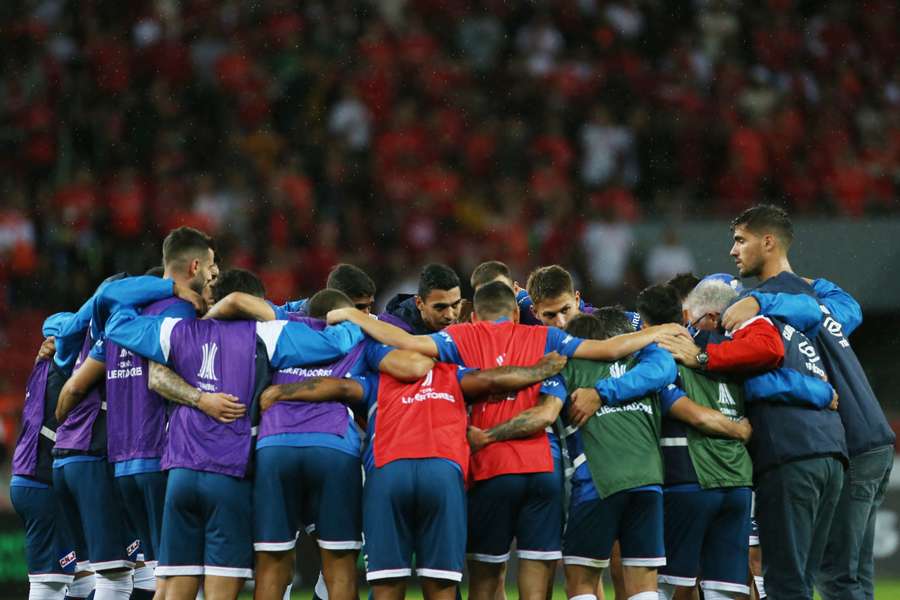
463 455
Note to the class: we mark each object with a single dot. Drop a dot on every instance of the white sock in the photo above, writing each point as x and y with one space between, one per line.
666 590
46 590
645 596
321 588
760 586
584 597
113 586
144 579
82 588
287 592
718 595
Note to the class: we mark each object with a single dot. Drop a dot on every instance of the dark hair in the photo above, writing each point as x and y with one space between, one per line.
767 218
684 283
237 280
326 300
185 242
602 324
547 283
436 277
351 280
155 271
494 300
659 304
487 272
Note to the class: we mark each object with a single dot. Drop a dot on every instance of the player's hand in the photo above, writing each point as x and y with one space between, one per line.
62 411
47 350
478 438
744 429
739 313
270 396
585 402
834 400
551 364
683 350
224 408
339 315
189 295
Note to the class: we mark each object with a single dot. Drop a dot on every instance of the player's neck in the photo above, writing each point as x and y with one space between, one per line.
178 278
775 266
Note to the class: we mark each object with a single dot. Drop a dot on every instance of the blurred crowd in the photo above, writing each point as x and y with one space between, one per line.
393 132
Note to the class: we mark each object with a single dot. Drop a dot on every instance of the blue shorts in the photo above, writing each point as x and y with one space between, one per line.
635 518
706 534
415 506
527 507
95 514
144 496
49 553
207 526
320 487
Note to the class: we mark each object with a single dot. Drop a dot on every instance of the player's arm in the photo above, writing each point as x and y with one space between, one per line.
314 389
709 421
791 387
290 343
843 307
224 408
50 329
90 373
240 305
621 346
405 365
500 380
385 332
133 292
798 310
147 335
756 346
525 424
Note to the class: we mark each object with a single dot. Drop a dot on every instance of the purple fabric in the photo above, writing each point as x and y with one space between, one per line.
25 457
396 321
76 431
136 416
215 356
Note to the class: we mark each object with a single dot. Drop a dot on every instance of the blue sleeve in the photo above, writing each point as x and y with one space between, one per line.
843 307
561 342
293 306
281 313
374 353
70 337
291 343
555 386
98 351
789 386
128 292
526 314
369 383
668 396
149 336
655 369
180 310
55 323
797 310
447 350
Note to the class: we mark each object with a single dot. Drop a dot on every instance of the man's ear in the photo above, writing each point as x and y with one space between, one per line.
769 242
419 304
473 317
193 267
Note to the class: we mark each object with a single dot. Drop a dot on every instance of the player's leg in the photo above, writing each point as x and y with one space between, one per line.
440 527
686 518
182 540
539 533
756 583
493 505
136 518
277 495
641 540
615 571
228 544
725 551
69 528
388 505
151 495
590 532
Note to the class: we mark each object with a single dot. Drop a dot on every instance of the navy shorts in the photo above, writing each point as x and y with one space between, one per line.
706 533
144 496
527 507
635 518
207 526
318 487
415 506
95 515
754 526
49 554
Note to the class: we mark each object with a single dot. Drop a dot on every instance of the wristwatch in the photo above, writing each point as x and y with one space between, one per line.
702 359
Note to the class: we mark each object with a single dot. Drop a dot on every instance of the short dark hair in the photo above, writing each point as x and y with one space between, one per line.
604 323
487 272
767 218
546 283
684 284
659 304
155 271
184 242
326 300
494 300
351 280
436 276
237 280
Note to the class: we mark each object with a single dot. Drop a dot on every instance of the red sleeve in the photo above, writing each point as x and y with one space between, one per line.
756 346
